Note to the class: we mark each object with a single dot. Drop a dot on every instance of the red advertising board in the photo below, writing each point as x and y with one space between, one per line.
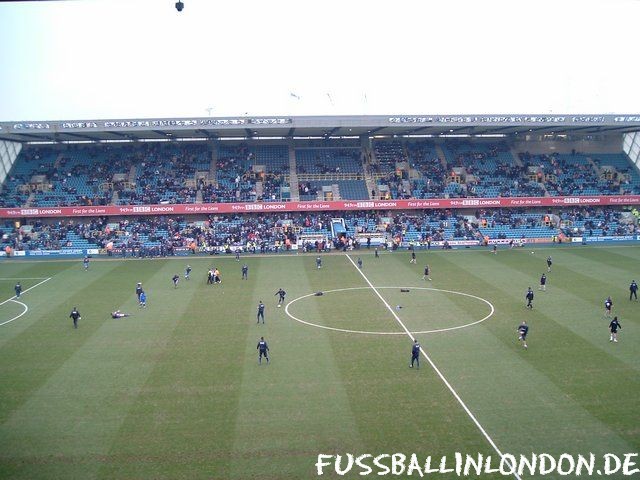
317 206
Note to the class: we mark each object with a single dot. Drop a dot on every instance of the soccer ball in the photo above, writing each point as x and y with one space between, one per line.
279 305
532 253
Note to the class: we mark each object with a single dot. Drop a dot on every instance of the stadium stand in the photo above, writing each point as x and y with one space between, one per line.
387 154
168 172
328 160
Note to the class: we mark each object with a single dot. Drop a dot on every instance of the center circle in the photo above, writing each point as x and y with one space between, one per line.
364 332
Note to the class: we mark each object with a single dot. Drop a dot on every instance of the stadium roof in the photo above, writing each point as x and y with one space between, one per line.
278 127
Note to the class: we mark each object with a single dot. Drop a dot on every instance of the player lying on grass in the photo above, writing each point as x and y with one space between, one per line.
119 314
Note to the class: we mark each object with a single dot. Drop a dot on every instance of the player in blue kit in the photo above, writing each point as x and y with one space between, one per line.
85 263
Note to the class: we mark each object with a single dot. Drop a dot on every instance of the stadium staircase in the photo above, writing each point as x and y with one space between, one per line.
30 199
370 182
213 166
293 177
56 163
115 198
441 156
372 186
133 171
516 157
595 166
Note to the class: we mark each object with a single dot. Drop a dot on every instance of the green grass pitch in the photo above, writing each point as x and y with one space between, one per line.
176 392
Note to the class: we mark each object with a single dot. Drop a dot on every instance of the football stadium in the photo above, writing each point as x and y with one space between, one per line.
298 296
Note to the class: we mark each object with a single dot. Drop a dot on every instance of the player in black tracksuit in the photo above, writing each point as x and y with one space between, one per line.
523 329
633 290
263 350
282 294
613 328
608 304
415 354
260 312
426 273
543 283
75 316
529 297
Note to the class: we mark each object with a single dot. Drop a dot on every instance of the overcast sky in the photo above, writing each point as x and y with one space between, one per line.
93 59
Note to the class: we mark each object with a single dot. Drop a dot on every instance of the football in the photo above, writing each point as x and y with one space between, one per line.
279 305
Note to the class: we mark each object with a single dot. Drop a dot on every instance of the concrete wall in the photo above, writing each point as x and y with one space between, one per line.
612 144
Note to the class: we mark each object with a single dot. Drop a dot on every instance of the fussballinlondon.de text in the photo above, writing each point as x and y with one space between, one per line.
465 465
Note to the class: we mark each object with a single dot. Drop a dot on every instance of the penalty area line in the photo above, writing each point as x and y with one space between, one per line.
13 299
433 365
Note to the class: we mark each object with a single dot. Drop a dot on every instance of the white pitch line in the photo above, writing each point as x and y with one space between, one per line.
23 278
26 309
13 299
435 368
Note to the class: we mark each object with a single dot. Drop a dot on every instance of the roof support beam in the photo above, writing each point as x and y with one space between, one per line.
331 132
374 130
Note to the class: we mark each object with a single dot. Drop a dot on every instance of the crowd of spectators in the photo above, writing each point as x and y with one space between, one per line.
258 232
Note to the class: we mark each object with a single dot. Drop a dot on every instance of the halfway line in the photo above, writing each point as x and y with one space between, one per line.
435 368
